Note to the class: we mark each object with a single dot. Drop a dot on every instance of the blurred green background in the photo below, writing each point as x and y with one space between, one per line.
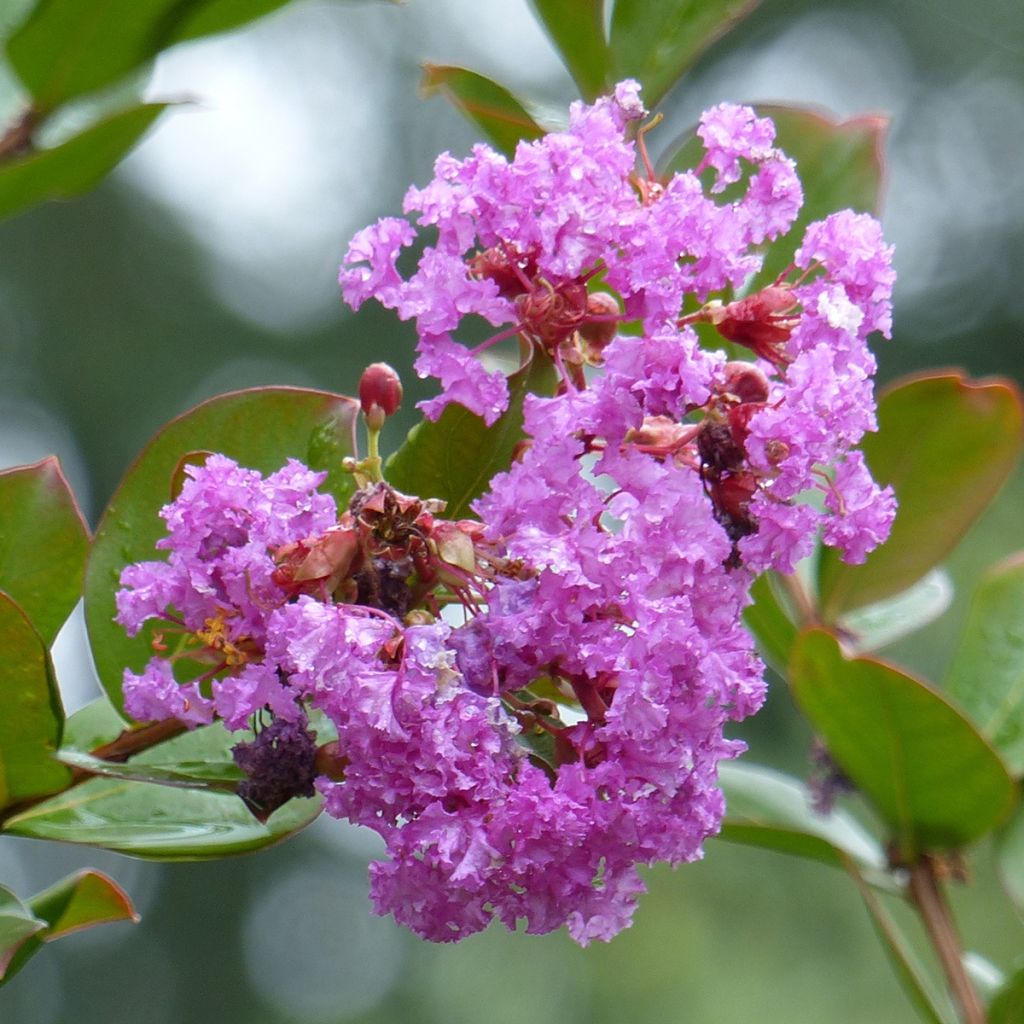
208 262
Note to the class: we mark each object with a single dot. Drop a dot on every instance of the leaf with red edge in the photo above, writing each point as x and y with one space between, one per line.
260 428
17 927
82 900
946 444
43 544
31 715
501 116
75 166
926 770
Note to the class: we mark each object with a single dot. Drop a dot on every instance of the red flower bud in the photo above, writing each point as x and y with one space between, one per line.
599 332
380 386
746 382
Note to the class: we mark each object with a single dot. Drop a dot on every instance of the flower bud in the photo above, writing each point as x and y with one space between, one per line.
599 332
746 381
379 386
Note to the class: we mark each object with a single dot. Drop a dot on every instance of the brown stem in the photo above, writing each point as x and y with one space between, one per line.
17 140
131 741
134 741
928 898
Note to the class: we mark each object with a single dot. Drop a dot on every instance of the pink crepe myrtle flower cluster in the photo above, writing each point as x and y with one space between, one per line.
523 758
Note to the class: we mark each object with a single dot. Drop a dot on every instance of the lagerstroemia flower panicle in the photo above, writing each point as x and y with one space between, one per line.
524 753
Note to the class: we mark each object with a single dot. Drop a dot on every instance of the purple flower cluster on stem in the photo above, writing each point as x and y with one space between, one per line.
531 705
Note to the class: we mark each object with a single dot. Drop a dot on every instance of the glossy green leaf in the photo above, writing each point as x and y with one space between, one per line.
74 166
161 822
926 770
17 927
1008 1004
768 809
455 457
82 900
502 117
31 715
946 445
92 726
43 544
69 48
576 27
770 623
1010 857
656 41
987 672
876 625
79 901
220 775
260 428
208 17
932 1006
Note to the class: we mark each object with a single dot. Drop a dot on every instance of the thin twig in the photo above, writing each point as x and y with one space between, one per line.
129 742
17 140
928 898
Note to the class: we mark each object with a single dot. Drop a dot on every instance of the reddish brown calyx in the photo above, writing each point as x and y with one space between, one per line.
762 322
552 313
599 327
662 436
511 270
731 494
316 565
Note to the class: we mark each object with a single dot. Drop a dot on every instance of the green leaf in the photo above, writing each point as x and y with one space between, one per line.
902 957
987 672
1010 857
876 625
656 41
926 770
768 809
70 48
74 166
221 775
31 715
1008 1005
771 625
502 117
576 27
946 445
455 457
17 927
82 900
159 822
208 17
43 544
92 726
260 428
